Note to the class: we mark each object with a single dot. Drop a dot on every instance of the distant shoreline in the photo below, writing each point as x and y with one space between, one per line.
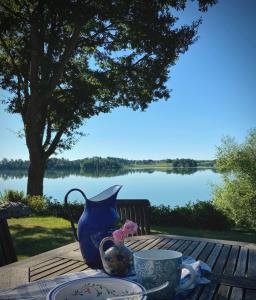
109 163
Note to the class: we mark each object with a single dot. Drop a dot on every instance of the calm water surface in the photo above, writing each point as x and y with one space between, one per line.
160 187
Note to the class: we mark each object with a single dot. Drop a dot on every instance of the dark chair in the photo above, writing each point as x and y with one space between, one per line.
7 251
137 210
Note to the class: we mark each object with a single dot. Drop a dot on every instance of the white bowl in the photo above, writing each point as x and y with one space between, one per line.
95 288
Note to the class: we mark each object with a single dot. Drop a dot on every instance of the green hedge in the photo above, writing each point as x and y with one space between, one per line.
202 214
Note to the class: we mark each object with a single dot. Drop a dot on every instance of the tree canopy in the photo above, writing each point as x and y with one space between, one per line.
237 196
65 61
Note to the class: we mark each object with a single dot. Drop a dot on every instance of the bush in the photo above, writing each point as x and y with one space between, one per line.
202 214
237 199
207 215
237 196
13 196
37 203
57 209
44 206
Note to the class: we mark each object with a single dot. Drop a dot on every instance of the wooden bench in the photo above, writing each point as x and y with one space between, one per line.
137 210
7 251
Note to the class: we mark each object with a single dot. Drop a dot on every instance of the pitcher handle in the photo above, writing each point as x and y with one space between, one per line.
69 211
102 256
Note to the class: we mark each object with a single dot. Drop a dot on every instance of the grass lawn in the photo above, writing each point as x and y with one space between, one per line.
34 235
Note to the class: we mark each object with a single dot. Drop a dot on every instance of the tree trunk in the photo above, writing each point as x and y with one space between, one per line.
36 176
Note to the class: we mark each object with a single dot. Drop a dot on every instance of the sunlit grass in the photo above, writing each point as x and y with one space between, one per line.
35 235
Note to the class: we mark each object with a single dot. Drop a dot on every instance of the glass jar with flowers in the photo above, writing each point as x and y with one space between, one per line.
118 259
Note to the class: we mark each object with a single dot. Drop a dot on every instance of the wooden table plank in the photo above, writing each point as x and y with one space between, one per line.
46 262
221 260
161 244
134 245
240 268
141 245
153 244
177 245
198 250
191 248
251 271
236 293
203 256
222 292
242 282
130 241
214 255
67 268
232 260
13 277
43 256
207 250
47 266
169 244
195 294
250 295
184 246
53 270
242 262
208 292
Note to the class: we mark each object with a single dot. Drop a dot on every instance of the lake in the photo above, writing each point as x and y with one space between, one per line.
166 187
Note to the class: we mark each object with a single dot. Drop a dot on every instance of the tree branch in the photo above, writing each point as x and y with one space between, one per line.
52 40
94 35
141 59
48 135
34 63
54 143
66 55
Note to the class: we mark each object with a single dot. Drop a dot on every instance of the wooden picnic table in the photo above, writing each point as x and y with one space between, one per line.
233 264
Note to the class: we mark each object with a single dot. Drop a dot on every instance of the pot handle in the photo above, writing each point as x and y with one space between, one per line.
69 211
102 254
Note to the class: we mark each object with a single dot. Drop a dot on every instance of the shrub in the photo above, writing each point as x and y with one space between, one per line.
55 208
13 196
44 206
237 196
202 214
206 214
237 199
37 203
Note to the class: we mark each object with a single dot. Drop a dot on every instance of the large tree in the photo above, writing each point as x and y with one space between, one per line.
64 61
237 195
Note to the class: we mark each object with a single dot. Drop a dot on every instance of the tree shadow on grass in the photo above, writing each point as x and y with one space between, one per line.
37 239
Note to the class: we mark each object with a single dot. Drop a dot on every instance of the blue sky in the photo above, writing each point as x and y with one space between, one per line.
213 95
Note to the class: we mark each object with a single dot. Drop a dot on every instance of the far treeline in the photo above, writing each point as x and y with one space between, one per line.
109 163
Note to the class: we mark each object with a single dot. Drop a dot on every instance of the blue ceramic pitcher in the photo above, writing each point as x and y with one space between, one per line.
98 220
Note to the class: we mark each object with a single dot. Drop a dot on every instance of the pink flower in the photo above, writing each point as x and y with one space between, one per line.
118 235
130 227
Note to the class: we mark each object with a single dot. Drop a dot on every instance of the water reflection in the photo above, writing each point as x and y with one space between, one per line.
160 186
15 174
